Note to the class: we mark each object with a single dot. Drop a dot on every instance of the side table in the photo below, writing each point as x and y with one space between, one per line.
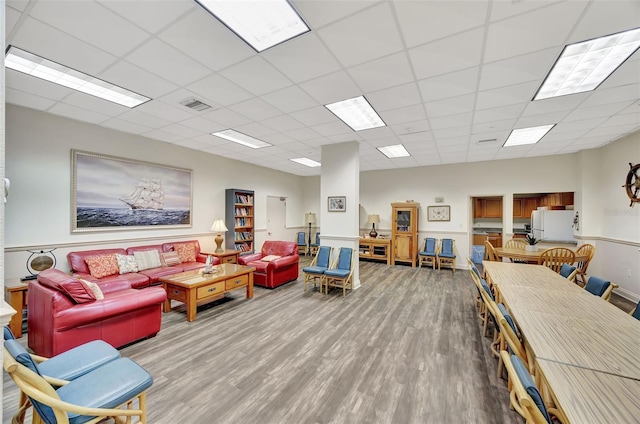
229 256
17 294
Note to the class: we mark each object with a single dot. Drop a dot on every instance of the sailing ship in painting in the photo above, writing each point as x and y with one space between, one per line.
148 194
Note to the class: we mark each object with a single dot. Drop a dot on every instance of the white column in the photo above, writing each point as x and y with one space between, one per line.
341 177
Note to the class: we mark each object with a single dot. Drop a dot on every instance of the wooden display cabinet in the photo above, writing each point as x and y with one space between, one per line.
239 219
404 232
375 248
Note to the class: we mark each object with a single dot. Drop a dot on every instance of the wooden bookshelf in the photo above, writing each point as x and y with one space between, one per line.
239 219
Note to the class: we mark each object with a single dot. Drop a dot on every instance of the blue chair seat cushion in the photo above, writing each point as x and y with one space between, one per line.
597 286
78 361
566 270
427 253
339 273
508 318
486 288
314 269
106 387
446 255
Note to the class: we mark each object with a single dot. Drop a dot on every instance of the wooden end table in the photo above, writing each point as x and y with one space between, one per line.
227 257
193 287
17 293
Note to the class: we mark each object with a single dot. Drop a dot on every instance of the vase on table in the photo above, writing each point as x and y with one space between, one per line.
531 248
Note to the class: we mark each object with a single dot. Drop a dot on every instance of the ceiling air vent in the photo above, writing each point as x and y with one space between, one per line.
488 140
195 104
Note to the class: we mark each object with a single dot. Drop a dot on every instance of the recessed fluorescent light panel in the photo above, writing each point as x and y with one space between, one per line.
583 66
261 24
395 151
307 162
357 113
31 64
238 137
530 135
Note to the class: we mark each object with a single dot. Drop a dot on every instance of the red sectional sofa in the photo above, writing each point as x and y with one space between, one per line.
140 279
63 313
273 272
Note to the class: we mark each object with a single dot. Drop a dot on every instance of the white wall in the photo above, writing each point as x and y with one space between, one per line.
39 165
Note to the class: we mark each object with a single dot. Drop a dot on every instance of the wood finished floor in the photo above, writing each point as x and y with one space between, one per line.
404 348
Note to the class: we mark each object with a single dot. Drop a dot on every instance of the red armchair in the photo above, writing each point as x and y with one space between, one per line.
273 272
62 314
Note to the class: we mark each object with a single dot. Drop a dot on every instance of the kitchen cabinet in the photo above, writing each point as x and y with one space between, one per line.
495 239
556 200
523 206
479 239
488 207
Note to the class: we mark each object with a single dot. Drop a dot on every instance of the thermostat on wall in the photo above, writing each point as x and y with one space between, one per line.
439 199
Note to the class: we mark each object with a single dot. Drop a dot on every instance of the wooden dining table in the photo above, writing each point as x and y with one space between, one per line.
585 350
528 256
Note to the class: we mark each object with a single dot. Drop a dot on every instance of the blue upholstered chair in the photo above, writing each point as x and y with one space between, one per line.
428 253
340 273
101 392
599 287
484 292
525 396
569 272
316 244
636 312
447 254
302 243
315 272
511 336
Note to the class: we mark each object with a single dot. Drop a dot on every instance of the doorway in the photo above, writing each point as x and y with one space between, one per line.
277 218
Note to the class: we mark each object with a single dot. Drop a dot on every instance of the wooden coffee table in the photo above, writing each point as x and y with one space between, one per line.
193 287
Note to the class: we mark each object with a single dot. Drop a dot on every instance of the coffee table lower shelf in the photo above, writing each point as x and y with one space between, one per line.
194 287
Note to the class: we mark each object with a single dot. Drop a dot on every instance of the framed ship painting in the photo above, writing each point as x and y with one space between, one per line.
110 193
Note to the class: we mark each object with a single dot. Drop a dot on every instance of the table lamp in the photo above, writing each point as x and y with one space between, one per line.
309 218
373 219
218 225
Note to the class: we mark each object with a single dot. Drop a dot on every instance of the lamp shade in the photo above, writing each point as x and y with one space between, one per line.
310 218
218 225
374 219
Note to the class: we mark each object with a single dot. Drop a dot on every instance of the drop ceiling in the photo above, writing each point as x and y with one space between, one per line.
443 75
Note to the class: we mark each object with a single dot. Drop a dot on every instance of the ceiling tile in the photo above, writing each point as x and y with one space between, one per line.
450 54
256 75
255 109
131 77
606 17
181 131
219 90
313 116
125 126
282 123
317 14
364 36
161 59
505 96
450 85
450 106
77 113
290 99
394 98
152 15
382 73
31 101
36 86
96 104
449 121
137 116
165 111
227 117
519 69
202 124
498 113
404 115
331 88
206 40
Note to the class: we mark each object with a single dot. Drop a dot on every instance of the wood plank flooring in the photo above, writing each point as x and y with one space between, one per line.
404 348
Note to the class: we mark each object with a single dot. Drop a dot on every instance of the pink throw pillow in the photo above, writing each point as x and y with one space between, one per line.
102 265
186 252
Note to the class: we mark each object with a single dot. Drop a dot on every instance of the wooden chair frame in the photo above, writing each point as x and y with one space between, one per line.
554 257
483 313
340 282
428 259
444 260
302 247
589 249
516 243
312 277
521 401
36 387
313 248
490 252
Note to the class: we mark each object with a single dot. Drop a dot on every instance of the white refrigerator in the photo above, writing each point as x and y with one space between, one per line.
552 225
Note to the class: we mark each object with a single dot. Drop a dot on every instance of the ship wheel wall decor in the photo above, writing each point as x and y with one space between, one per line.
632 184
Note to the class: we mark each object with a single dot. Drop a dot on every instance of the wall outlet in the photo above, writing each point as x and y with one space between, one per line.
629 273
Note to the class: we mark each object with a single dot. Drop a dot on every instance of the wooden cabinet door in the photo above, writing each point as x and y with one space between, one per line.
530 205
493 208
518 208
403 245
478 208
566 198
479 239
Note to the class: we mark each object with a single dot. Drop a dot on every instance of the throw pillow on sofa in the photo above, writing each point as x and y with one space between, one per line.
126 263
74 288
269 258
102 265
147 259
95 289
186 251
170 258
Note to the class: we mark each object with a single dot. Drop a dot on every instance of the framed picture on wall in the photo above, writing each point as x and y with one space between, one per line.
110 193
337 203
438 213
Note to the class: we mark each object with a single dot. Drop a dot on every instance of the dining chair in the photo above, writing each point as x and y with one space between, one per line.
554 257
589 250
340 274
518 244
525 397
636 312
475 273
490 252
314 273
446 254
569 272
600 287
302 243
316 244
484 292
511 335
98 394
428 253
